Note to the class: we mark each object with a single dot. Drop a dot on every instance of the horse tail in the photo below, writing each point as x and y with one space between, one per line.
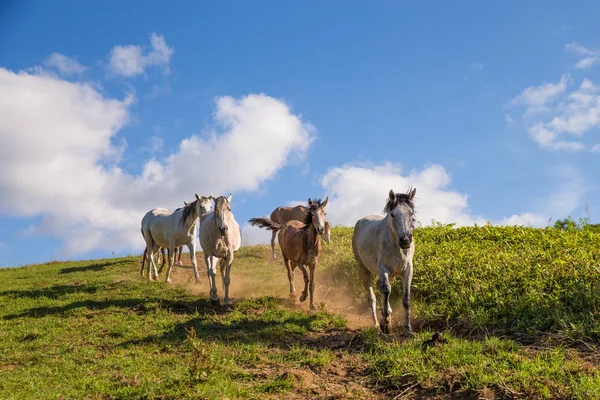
265 223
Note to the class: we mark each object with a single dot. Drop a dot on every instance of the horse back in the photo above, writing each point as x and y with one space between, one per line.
281 215
366 241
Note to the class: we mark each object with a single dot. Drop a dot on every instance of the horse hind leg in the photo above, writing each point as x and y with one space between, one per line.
367 280
143 262
312 286
150 246
170 267
406 281
273 234
164 260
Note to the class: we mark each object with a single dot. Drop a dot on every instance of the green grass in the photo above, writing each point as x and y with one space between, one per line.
95 329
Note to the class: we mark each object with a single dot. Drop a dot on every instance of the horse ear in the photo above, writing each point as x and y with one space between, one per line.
309 201
325 202
412 193
229 198
186 203
211 197
197 198
392 194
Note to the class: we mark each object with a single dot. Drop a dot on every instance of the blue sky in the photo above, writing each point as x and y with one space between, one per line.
108 109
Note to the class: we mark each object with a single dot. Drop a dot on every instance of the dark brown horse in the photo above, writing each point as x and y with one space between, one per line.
300 244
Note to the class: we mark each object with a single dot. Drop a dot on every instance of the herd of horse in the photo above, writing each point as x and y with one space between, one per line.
382 244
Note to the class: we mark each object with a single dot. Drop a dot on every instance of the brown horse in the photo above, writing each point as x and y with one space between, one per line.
300 244
281 215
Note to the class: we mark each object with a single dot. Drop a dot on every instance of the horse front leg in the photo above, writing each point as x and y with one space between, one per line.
211 270
312 285
306 281
406 281
227 280
386 289
192 248
290 274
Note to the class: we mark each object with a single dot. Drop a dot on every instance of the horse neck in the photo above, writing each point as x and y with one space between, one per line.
313 239
191 220
393 235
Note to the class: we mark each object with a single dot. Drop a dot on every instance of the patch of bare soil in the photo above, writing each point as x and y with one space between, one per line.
245 284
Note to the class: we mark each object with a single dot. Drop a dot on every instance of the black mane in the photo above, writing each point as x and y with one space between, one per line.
398 199
187 211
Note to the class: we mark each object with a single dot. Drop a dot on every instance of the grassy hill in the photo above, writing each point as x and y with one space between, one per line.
518 307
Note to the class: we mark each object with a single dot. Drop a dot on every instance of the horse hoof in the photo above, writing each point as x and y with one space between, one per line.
410 333
312 307
384 328
302 298
215 302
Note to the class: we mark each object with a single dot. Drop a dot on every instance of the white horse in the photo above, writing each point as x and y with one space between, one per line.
327 232
171 229
383 247
220 237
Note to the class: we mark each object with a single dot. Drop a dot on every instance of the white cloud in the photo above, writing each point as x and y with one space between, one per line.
537 98
595 148
590 57
252 235
554 115
62 165
355 191
477 66
132 60
359 190
525 219
64 64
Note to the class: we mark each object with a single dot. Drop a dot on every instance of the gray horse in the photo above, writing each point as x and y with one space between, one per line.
383 247
220 237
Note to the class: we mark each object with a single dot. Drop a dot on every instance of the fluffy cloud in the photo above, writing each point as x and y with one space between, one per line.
356 191
589 57
62 165
556 117
537 98
132 60
64 64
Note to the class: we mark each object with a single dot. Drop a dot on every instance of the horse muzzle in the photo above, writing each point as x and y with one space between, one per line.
223 231
405 241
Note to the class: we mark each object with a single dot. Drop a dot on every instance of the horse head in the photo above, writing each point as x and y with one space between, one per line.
316 214
401 210
222 207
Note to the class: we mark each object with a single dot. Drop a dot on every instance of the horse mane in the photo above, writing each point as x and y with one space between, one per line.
399 198
188 211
